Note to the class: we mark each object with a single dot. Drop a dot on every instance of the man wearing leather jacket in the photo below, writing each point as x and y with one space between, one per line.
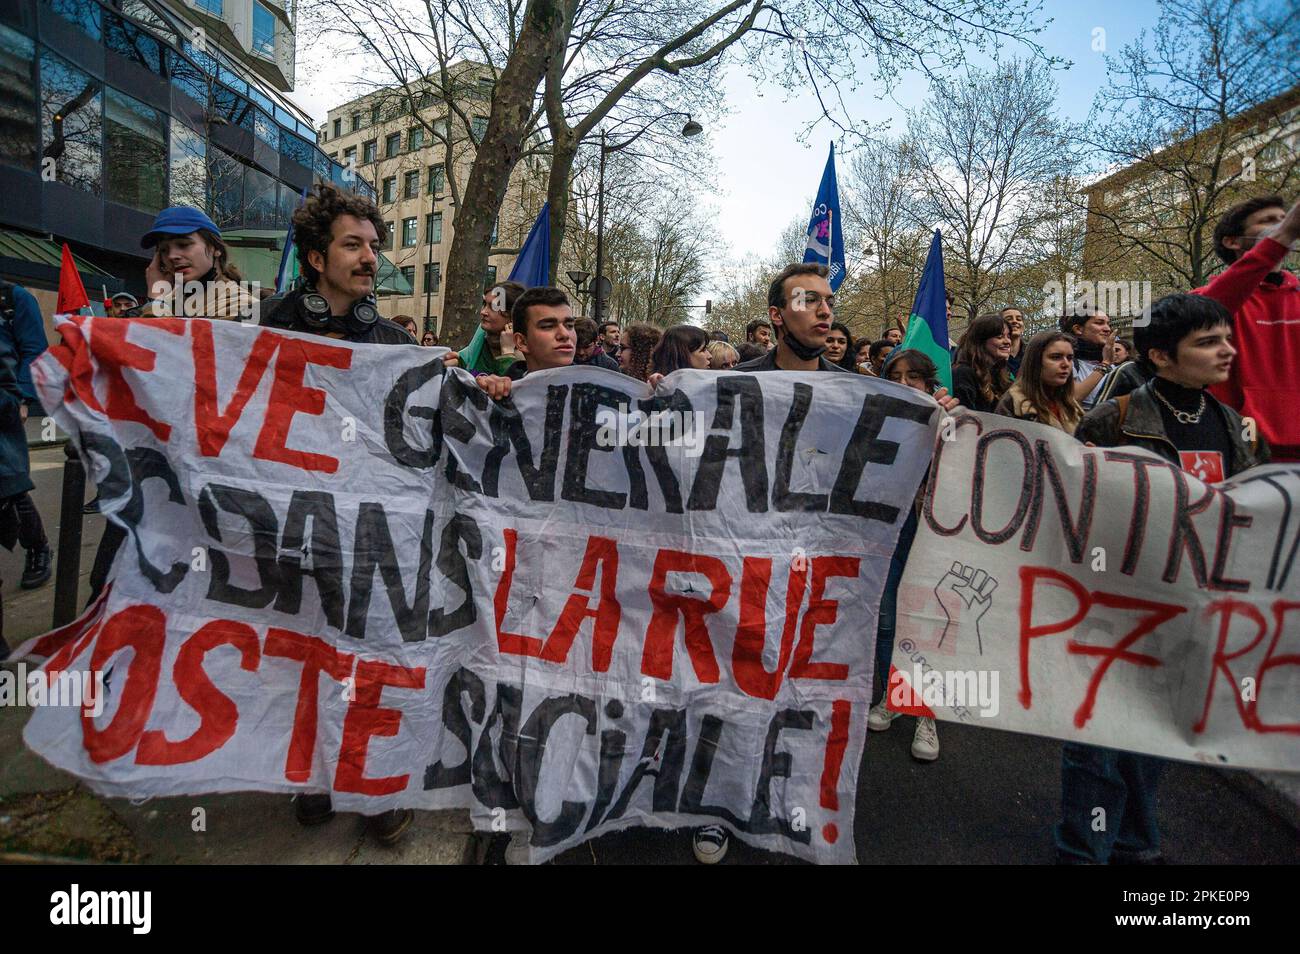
337 235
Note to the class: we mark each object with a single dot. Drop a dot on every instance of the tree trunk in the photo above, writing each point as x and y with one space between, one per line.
495 159
557 193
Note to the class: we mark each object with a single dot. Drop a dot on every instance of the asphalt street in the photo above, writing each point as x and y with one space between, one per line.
991 798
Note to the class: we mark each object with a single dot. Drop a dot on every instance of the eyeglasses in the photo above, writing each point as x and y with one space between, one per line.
801 300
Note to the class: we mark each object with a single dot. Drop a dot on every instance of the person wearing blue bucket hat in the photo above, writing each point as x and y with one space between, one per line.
188 248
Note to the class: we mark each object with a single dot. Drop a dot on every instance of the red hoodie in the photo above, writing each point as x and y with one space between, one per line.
1265 379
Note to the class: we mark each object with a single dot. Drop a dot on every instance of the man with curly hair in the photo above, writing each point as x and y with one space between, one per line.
338 238
337 234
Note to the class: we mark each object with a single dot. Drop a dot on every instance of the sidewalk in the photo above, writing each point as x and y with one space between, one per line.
68 821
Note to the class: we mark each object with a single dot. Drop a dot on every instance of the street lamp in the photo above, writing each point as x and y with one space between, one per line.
600 287
578 277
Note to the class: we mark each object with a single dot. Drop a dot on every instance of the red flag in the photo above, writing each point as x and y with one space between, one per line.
72 294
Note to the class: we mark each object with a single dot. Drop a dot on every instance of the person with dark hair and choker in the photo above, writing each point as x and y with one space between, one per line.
1187 348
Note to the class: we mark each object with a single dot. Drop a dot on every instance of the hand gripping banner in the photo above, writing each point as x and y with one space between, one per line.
584 607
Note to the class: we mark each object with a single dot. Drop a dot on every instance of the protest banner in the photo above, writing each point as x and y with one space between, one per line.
585 607
1104 595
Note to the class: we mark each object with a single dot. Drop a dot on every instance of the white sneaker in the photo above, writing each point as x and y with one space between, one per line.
879 718
517 850
925 743
710 844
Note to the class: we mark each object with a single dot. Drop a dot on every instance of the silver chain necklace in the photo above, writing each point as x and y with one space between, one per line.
1183 417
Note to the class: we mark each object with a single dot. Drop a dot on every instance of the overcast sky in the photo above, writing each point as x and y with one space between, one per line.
765 176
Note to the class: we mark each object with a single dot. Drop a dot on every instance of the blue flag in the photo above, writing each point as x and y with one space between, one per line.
825 237
927 329
533 266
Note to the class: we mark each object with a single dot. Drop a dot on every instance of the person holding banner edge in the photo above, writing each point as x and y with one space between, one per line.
1186 345
337 235
915 369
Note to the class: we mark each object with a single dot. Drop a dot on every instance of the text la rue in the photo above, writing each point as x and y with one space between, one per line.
103 907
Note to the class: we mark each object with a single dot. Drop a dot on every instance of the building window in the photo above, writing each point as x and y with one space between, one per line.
437 179
387 243
188 175
408 275
226 178
440 128
392 145
133 42
410 235
135 153
72 122
17 56
433 228
374 115
432 277
411 185
478 127
338 128
491 276
209 6
84 15
263 30
356 121
368 152
415 139
390 189
350 156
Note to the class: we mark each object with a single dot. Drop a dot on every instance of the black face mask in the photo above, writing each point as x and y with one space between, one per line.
801 351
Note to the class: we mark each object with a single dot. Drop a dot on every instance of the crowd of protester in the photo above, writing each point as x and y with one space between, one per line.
1179 387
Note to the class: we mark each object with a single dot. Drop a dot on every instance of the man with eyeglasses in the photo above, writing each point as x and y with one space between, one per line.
1264 300
800 306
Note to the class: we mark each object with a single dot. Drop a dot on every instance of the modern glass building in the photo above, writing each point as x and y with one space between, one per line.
110 111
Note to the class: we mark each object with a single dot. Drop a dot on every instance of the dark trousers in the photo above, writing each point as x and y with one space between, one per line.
31 532
1108 804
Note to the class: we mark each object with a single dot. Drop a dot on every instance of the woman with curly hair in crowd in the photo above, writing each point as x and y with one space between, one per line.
639 341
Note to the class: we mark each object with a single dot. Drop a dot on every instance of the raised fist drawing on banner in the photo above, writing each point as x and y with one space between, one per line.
965 594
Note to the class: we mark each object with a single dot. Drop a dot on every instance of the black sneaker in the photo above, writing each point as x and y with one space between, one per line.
39 568
91 506
390 826
313 809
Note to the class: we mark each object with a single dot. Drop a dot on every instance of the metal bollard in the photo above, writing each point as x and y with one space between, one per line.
68 568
